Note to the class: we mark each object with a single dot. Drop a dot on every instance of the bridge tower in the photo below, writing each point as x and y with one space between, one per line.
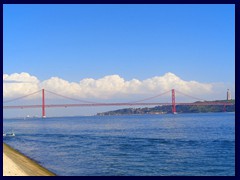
173 102
224 108
43 104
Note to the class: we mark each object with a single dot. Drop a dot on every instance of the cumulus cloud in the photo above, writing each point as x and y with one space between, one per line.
111 86
19 84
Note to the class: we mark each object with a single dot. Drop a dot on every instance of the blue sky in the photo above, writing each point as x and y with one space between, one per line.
75 42
196 42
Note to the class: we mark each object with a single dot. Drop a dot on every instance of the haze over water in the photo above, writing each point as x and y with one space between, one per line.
184 144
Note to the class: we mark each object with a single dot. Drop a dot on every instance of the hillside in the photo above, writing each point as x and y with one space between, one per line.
168 109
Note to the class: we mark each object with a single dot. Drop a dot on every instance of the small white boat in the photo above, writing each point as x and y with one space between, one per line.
11 134
8 134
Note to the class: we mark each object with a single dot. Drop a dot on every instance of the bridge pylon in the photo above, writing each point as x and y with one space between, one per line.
173 102
43 104
224 108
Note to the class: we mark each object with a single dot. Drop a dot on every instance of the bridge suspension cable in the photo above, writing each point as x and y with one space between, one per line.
15 99
150 97
66 97
190 96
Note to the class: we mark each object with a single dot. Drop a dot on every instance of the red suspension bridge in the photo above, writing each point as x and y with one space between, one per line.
43 106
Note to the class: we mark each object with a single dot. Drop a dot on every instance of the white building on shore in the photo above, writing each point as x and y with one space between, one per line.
228 95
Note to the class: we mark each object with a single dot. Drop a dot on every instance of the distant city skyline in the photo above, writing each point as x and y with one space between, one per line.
118 52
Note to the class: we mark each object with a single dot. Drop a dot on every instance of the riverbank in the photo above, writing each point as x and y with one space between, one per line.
16 164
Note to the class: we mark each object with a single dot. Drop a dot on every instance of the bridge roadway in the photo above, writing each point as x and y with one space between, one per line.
116 104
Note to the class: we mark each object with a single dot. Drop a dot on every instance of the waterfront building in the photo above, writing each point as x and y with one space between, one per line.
228 95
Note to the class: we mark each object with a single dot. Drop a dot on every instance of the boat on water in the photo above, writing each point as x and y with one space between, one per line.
8 134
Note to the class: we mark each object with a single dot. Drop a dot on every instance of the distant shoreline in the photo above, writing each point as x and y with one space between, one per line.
17 164
180 109
9 118
161 113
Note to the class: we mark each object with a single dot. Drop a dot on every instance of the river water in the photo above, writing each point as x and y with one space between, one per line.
138 145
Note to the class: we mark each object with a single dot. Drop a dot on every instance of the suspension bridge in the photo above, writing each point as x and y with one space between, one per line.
142 102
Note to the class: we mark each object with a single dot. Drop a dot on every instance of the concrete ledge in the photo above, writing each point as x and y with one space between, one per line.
16 164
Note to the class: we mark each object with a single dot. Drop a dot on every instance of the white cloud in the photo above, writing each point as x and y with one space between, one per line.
112 86
21 84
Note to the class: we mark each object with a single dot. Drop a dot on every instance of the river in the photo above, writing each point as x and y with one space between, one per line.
200 144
